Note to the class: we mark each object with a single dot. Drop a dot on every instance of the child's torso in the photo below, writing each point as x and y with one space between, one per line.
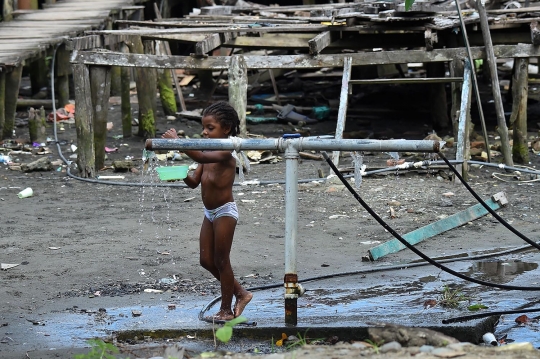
216 183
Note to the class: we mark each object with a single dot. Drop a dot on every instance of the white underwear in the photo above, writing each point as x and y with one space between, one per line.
229 209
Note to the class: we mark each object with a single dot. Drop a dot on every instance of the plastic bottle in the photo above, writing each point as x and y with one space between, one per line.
5 159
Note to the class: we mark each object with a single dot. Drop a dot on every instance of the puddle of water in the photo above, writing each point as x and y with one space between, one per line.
500 272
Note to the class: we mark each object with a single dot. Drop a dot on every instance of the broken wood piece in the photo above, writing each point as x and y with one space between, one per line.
535 33
319 42
497 201
310 156
43 164
431 38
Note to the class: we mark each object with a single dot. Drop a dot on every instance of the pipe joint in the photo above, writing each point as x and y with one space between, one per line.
291 152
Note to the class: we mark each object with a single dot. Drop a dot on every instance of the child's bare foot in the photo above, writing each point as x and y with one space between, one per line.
241 301
221 315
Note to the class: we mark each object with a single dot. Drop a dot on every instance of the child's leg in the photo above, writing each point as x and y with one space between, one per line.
223 237
207 260
211 254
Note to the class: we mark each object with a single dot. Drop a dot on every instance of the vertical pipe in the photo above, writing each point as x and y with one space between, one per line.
291 230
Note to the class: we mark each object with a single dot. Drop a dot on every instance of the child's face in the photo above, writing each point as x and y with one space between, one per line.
212 128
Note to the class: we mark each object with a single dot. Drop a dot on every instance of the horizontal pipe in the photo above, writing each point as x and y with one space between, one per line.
301 144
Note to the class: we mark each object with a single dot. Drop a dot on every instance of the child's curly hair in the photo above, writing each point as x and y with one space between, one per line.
225 114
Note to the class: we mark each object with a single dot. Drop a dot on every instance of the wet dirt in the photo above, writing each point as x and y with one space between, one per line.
84 246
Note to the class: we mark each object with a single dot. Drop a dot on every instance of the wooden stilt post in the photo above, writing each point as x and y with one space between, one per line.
2 101
238 90
151 73
169 53
520 88
166 93
13 82
501 121
116 82
206 82
38 75
100 85
127 117
62 72
146 91
84 121
343 101
36 126
462 151
456 70
437 97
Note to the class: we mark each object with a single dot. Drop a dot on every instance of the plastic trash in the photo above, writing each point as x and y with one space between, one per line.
25 193
5 159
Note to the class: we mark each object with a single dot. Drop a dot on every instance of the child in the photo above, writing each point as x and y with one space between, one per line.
216 173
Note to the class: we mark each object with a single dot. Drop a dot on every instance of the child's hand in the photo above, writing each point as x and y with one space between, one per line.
170 133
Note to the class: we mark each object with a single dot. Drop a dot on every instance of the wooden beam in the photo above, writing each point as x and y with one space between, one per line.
300 61
418 80
319 42
497 201
212 41
211 30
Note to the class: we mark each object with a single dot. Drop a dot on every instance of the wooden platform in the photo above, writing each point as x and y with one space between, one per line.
32 33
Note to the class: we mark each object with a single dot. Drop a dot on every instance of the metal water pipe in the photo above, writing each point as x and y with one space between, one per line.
292 147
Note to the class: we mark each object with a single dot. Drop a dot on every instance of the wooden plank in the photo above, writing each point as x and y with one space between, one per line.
300 61
85 42
413 80
211 30
343 102
319 42
497 201
269 41
211 42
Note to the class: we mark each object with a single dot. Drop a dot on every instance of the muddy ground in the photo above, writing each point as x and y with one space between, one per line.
86 245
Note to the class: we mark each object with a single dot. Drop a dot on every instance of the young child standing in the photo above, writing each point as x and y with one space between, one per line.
215 174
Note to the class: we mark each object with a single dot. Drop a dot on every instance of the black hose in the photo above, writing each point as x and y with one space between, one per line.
493 213
487 314
415 250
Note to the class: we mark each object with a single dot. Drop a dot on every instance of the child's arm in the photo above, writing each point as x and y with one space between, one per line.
193 180
209 156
